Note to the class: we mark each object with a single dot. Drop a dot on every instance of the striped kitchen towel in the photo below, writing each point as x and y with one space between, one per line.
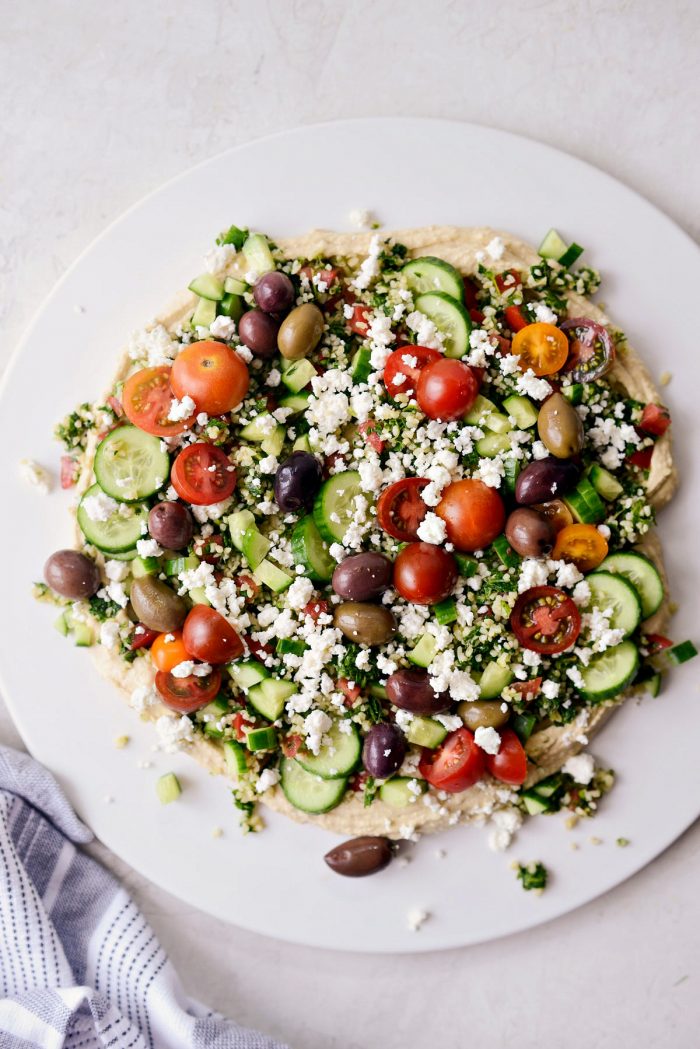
79 965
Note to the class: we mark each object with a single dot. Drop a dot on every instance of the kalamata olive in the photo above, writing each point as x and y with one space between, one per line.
274 292
300 331
410 689
529 533
297 481
362 577
258 331
365 624
156 605
171 525
545 479
482 713
359 857
72 574
384 750
556 512
560 428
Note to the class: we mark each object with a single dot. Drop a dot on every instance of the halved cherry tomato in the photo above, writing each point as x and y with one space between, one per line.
557 513
202 474
545 619
368 430
515 318
446 389
400 508
147 397
642 458
510 763
591 351
424 573
542 347
316 609
655 419
212 374
408 361
142 637
456 764
508 279
473 512
528 689
351 692
70 468
168 650
187 694
360 320
582 544
209 637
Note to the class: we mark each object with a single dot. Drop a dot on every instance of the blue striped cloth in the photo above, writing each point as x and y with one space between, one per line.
79 965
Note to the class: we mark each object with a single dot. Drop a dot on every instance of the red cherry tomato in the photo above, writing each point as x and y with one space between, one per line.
473 512
401 363
360 320
545 619
207 636
515 318
187 694
510 764
240 724
425 574
147 397
446 389
202 474
655 419
212 374
368 430
456 764
400 508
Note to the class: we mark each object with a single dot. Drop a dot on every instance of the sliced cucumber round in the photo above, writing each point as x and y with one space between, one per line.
450 318
642 574
120 532
306 791
338 759
612 591
609 673
311 552
131 464
429 273
334 507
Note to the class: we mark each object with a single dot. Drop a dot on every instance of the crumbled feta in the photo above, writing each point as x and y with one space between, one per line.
173 732
416 917
580 767
544 314
155 346
426 332
183 409
533 572
488 739
184 669
274 377
148 548
267 778
316 725
222 328
143 698
116 571
299 593
35 475
529 385
268 465
369 268
550 689
109 634
495 249
491 472
432 529
506 822
99 507
360 218
217 259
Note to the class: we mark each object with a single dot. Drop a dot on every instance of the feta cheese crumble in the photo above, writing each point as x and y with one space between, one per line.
581 767
488 739
35 475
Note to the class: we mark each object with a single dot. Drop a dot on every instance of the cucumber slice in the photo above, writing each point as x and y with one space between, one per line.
424 652
143 566
402 791
573 252
493 444
511 469
613 591
334 507
248 673
177 565
522 725
609 673
604 483
671 657
298 402
425 732
232 306
310 551
534 804
290 645
506 554
257 252
307 792
338 759
297 374
378 691
124 555
553 246
450 318
130 464
204 314
269 696
468 566
429 273
207 286
119 532
498 423
573 393
361 365
271 576
493 680
642 574
521 410
585 504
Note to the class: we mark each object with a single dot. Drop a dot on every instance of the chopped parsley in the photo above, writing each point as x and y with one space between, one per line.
533 876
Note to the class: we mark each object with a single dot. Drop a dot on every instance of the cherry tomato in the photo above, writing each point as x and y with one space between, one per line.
368 430
592 350
400 508
557 513
147 397
212 374
456 764
360 320
542 347
187 694
401 363
168 650
424 573
582 544
655 420
116 405
209 637
545 619
473 512
515 318
510 764
203 474
446 389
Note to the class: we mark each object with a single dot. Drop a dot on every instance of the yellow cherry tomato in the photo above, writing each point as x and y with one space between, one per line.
582 544
542 347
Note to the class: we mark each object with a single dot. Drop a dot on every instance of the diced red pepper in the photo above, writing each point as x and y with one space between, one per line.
360 320
368 430
508 279
291 745
210 549
515 318
351 691
655 420
143 637
240 724
247 581
528 689
70 469
357 782
656 642
501 343
315 609
642 458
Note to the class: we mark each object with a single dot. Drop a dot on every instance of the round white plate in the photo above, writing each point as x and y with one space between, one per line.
411 173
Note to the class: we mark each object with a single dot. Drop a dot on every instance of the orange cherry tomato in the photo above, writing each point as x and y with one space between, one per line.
542 347
168 650
212 374
582 544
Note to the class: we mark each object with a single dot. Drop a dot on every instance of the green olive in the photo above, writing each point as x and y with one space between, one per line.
157 606
482 713
560 428
300 331
364 623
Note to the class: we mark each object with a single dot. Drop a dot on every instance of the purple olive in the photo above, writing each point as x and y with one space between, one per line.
362 577
529 532
258 331
171 525
274 292
72 574
297 481
360 856
546 479
410 689
384 750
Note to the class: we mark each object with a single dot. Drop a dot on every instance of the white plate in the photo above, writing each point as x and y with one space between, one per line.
412 173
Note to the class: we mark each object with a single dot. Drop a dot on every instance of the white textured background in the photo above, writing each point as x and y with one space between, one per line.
103 102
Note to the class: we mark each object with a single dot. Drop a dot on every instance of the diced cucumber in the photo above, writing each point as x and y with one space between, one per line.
198 596
143 566
257 252
429 273
522 725
493 680
498 423
131 464
609 673
238 524
673 656
310 551
269 696
573 252
493 444
424 652
552 246
119 532
259 428
274 442
402 791
334 507
298 374
468 566
290 645
573 392
204 314
450 318
361 365
511 469
506 554
254 546
521 410
547 788
302 444
271 576
261 739
168 788
297 402
81 632
307 792
534 804
614 591
338 758
207 286
425 732
176 565
235 758
248 673
446 611
233 235
378 691
642 574
61 625
585 504
480 411
232 306
234 286
604 483
652 685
